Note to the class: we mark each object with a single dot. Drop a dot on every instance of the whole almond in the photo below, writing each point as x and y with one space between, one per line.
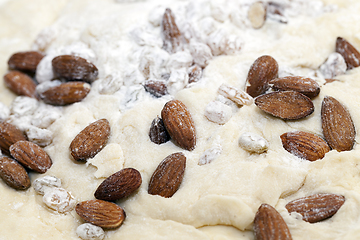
305 145
316 207
31 156
119 185
257 14
269 225
90 140
101 213
9 134
264 69
14 174
170 32
25 61
156 87
306 86
20 83
158 133
168 176
66 93
288 105
179 124
349 53
71 67
338 127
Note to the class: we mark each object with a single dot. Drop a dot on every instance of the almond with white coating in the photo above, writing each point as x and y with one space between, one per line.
25 61
170 32
20 83
306 86
90 140
13 174
9 134
31 156
349 53
257 14
236 95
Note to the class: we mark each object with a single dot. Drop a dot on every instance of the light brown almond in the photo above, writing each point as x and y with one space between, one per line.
20 83
101 213
337 125
349 53
158 133
119 185
71 67
25 61
168 176
90 140
306 86
9 134
31 156
264 69
179 124
288 105
269 225
156 87
316 207
14 174
305 145
66 93
170 32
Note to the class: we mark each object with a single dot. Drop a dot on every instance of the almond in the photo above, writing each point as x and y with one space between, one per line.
66 93
288 105
269 225
20 83
25 61
168 176
195 73
305 145
349 53
71 67
156 87
90 140
31 156
171 34
179 124
119 185
158 133
14 174
264 69
101 213
306 86
9 134
316 207
338 127
257 14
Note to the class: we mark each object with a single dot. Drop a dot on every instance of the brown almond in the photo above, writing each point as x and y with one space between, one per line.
269 225
119 185
31 156
101 213
170 32
25 61
66 93
9 134
179 124
338 127
20 83
264 69
288 105
349 53
158 133
305 145
14 174
156 87
306 86
316 207
90 140
168 176
71 67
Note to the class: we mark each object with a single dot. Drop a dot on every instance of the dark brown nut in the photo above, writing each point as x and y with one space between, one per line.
20 83
306 86
170 32
14 174
9 134
157 88
25 61
349 53
158 133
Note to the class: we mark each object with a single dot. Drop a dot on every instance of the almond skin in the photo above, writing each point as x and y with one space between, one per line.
269 225
70 67
9 134
66 93
101 213
338 127
168 176
158 133
264 69
90 140
14 174
31 156
305 145
179 124
306 86
288 105
25 61
119 185
316 207
349 53
20 83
